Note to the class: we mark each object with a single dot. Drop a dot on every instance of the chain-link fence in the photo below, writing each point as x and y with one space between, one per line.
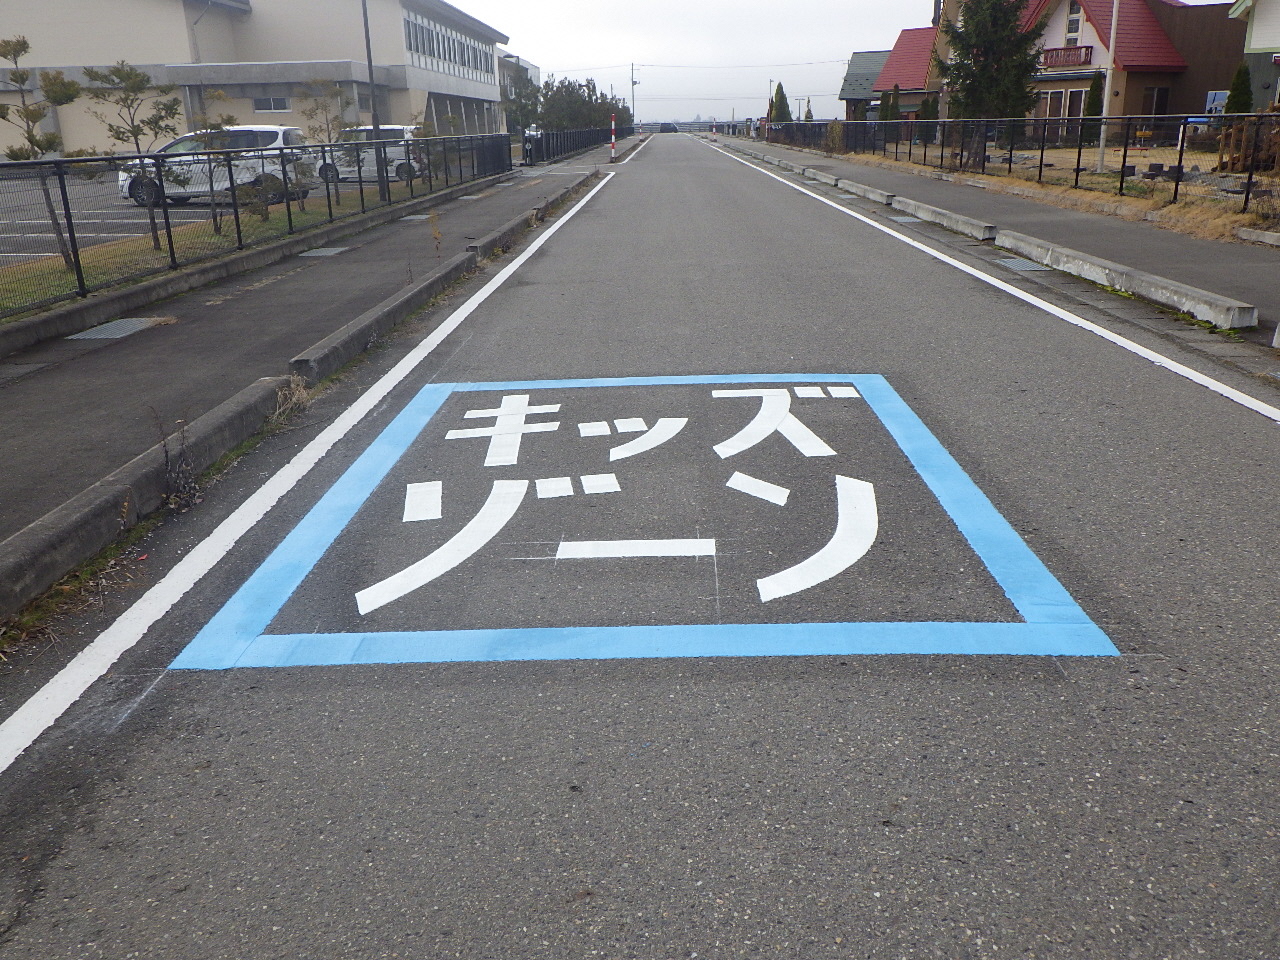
1232 160
74 226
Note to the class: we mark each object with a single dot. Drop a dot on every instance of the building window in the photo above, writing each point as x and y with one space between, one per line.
1155 101
271 105
1074 8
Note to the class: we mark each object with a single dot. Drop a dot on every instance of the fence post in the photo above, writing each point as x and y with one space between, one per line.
1102 135
284 182
986 134
81 289
1124 155
1253 163
413 175
328 191
235 201
1182 152
1044 142
359 150
1012 128
164 210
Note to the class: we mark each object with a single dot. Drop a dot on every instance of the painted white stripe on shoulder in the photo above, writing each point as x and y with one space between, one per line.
35 716
613 549
1159 359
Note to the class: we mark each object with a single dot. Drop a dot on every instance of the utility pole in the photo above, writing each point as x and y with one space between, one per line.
1107 89
379 156
634 81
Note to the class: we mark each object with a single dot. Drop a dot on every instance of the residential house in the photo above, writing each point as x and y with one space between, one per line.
858 89
1170 56
1262 48
910 67
264 61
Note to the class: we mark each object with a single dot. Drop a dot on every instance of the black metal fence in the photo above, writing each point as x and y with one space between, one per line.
553 144
1232 159
75 226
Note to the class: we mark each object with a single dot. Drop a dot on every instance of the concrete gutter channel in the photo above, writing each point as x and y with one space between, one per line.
1223 312
35 558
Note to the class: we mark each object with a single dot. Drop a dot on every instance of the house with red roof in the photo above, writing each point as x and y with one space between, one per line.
1169 55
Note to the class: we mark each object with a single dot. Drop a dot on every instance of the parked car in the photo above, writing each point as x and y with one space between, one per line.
402 156
266 156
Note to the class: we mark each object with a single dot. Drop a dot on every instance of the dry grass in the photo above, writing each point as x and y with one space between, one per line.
1197 215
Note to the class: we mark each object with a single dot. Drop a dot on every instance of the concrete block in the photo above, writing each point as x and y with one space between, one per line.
820 176
867 193
952 221
1258 236
1222 312
344 345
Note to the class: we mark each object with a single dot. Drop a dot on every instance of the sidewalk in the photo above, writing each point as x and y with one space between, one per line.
1242 271
75 410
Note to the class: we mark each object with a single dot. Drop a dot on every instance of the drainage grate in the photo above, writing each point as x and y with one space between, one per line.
324 252
116 329
907 219
1018 263
417 216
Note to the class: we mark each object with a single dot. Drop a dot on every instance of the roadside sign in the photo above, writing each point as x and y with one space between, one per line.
744 515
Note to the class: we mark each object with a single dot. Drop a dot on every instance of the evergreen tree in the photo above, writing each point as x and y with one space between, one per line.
993 60
808 111
780 109
890 110
1093 106
1240 99
927 117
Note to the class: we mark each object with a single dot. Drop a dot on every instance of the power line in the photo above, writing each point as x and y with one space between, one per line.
702 66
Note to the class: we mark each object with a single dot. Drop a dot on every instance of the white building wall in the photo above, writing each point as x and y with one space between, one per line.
1264 27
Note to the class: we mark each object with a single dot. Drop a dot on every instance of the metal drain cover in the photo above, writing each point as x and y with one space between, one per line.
116 329
1018 263
907 219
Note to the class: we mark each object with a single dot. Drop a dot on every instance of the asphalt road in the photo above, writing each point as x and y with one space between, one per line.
851 608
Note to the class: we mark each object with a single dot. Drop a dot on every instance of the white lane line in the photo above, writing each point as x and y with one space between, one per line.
857 525
424 501
553 487
763 489
504 500
38 713
613 549
601 483
663 430
1159 359
637 150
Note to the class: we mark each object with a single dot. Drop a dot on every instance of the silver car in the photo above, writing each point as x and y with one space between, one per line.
268 157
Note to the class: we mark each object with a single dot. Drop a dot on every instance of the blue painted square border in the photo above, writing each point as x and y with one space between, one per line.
1053 623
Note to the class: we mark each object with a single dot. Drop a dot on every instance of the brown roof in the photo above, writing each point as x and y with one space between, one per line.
909 61
1141 43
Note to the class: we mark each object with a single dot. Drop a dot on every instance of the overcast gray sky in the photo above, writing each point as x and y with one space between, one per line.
712 58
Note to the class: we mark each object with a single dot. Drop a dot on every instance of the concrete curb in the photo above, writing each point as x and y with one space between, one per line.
37 557
867 193
952 221
501 239
344 345
1258 236
108 305
1222 312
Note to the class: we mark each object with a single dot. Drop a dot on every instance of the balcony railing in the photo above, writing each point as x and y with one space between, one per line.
1056 58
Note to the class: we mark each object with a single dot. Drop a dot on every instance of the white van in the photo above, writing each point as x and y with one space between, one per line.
266 155
357 160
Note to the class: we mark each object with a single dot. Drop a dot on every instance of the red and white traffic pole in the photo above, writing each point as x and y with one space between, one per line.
613 143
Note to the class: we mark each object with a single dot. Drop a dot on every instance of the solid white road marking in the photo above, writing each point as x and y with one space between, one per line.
510 426
810 392
630 425
662 431
759 488
596 429
424 501
504 500
612 549
40 711
857 524
1159 359
844 393
774 416
601 483
554 487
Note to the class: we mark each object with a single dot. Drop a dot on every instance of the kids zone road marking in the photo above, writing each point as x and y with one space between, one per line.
762 515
